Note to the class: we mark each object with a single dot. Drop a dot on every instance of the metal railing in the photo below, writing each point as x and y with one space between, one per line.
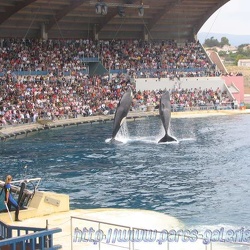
104 235
78 236
17 237
25 195
143 108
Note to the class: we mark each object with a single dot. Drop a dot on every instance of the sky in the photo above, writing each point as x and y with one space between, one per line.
232 18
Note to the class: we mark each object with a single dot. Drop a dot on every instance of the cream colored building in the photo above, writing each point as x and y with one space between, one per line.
244 63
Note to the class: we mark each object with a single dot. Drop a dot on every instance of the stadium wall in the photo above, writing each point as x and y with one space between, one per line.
186 83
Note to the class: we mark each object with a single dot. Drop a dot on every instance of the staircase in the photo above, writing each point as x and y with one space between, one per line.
215 58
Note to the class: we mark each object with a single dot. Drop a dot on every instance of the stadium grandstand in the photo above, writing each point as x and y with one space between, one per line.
64 58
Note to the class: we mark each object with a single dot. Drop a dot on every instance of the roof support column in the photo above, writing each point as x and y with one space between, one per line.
145 34
44 34
194 38
95 34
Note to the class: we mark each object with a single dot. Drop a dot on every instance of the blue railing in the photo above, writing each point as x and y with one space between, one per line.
27 237
39 73
112 71
90 59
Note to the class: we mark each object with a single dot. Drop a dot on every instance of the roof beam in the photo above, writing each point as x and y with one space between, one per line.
162 12
11 10
104 21
208 14
62 13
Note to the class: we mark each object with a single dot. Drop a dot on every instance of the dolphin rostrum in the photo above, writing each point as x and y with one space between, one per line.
121 112
165 115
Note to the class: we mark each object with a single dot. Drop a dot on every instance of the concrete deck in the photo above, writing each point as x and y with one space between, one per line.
73 223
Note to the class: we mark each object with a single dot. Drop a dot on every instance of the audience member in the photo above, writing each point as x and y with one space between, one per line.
56 95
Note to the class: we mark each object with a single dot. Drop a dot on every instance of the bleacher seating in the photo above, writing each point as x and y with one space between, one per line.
50 79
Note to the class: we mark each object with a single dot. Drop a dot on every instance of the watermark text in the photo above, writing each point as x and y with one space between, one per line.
114 235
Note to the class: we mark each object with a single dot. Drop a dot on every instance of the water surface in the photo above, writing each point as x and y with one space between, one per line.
203 179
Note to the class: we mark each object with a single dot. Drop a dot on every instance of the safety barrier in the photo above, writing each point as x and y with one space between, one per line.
79 239
111 71
40 73
104 235
18 237
22 192
175 108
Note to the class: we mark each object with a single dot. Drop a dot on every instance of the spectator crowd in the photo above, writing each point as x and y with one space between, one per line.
138 58
55 95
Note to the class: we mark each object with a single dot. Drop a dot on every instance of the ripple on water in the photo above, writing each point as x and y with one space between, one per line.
203 179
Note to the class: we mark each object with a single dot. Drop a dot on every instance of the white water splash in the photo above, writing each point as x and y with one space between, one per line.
122 135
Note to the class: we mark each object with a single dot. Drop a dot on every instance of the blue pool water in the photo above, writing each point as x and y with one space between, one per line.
203 180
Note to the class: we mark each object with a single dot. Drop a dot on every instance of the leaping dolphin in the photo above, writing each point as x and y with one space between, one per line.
121 112
165 115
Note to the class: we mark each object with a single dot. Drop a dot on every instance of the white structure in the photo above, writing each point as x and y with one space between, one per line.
244 63
186 83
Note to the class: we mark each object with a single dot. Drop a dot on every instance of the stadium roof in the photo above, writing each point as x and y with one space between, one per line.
118 19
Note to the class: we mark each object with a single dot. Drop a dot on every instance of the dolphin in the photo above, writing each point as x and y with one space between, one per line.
165 115
121 112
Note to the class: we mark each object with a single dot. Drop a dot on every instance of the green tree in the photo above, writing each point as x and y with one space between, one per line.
224 41
211 42
242 49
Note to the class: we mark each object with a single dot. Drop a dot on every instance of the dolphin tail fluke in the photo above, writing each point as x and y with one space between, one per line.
167 138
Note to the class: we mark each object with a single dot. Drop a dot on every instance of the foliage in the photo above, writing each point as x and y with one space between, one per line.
224 41
243 52
247 106
212 42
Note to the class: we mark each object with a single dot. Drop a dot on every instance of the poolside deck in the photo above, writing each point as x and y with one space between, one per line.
81 230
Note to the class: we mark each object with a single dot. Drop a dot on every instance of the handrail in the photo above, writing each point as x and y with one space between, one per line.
221 106
24 195
78 236
6 230
45 240
38 73
42 236
99 228
29 180
97 221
